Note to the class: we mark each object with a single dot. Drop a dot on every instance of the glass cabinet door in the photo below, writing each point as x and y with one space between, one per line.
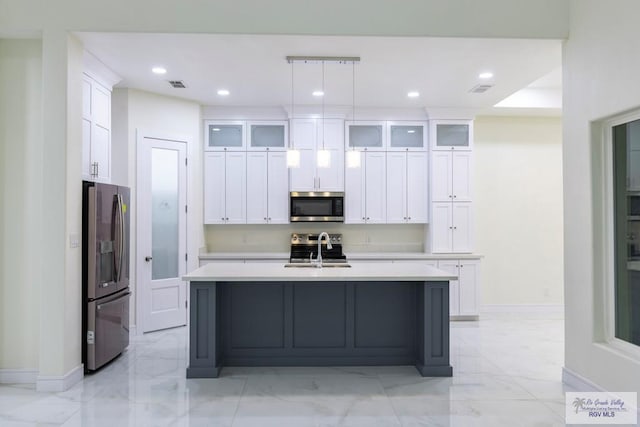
451 135
407 136
267 135
365 135
224 136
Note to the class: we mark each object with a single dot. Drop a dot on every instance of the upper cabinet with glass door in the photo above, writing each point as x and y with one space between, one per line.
365 135
267 135
224 135
447 135
406 136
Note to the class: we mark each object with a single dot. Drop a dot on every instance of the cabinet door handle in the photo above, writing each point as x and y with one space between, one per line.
450 228
450 196
368 218
226 219
264 219
269 219
454 196
319 186
455 228
409 217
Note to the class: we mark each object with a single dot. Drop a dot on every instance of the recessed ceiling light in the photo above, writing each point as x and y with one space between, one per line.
216 129
318 93
223 92
413 94
411 131
486 75
159 70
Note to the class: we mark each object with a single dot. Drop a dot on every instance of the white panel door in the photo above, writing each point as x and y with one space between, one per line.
441 227
303 134
332 178
235 188
101 152
214 187
333 131
396 187
462 168
278 188
86 148
375 188
354 185
468 287
304 177
462 219
441 175
257 188
417 187
451 266
161 234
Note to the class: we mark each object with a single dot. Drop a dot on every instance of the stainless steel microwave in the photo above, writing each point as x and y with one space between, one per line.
316 206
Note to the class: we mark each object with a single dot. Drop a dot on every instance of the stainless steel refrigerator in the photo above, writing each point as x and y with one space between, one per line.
105 273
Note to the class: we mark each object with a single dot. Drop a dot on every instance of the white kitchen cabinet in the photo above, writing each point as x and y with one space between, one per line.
366 135
225 188
406 136
365 190
309 136
267 188
224 135
451 176
464 293
452 229
267 135
407 187
451 135
96 130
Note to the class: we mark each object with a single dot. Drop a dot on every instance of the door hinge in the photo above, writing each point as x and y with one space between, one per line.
185 304
185 209
186 257
186 162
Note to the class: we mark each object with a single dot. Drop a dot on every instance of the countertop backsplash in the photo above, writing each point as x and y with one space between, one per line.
276 238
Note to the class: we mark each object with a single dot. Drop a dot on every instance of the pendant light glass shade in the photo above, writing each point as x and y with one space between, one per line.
324 158
293 158
353 159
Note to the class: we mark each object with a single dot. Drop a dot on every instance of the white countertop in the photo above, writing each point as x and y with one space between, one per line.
270 272
350 256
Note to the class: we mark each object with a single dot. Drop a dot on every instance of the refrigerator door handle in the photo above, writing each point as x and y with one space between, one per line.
119 238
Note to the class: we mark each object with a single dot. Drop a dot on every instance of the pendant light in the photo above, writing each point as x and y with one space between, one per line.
324 156
353 156
293 155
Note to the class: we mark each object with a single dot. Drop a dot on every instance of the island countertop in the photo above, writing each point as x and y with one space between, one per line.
272 272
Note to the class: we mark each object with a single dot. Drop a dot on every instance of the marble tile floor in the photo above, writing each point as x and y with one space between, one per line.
507 372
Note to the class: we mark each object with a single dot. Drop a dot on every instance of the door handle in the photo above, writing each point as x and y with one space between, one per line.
148 258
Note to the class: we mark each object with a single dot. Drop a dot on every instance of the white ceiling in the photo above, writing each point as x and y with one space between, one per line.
253 68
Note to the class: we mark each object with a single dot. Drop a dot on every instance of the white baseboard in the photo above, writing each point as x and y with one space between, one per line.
18 376
579 382
523 308
133 331
60 383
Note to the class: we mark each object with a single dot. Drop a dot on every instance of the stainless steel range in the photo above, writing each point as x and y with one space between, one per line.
304 248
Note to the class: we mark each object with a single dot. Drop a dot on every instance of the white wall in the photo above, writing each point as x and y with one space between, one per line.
168 117
518 201
20 174
601 69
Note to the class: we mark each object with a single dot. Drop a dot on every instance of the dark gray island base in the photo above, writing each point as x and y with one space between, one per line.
319 323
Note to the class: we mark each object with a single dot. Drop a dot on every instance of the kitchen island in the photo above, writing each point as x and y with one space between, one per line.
265 314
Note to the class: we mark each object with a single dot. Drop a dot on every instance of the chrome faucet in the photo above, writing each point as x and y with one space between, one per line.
319 257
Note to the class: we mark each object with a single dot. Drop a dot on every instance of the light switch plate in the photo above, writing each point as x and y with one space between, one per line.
74 240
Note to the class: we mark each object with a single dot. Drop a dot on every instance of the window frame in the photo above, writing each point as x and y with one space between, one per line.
607 234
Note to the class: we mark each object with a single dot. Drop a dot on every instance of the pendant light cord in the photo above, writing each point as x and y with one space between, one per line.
292 108
323 96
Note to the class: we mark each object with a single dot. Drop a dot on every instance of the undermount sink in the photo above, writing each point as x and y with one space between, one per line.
324 265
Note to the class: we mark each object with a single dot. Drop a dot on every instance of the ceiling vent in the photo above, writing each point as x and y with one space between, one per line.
480 88
178 84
